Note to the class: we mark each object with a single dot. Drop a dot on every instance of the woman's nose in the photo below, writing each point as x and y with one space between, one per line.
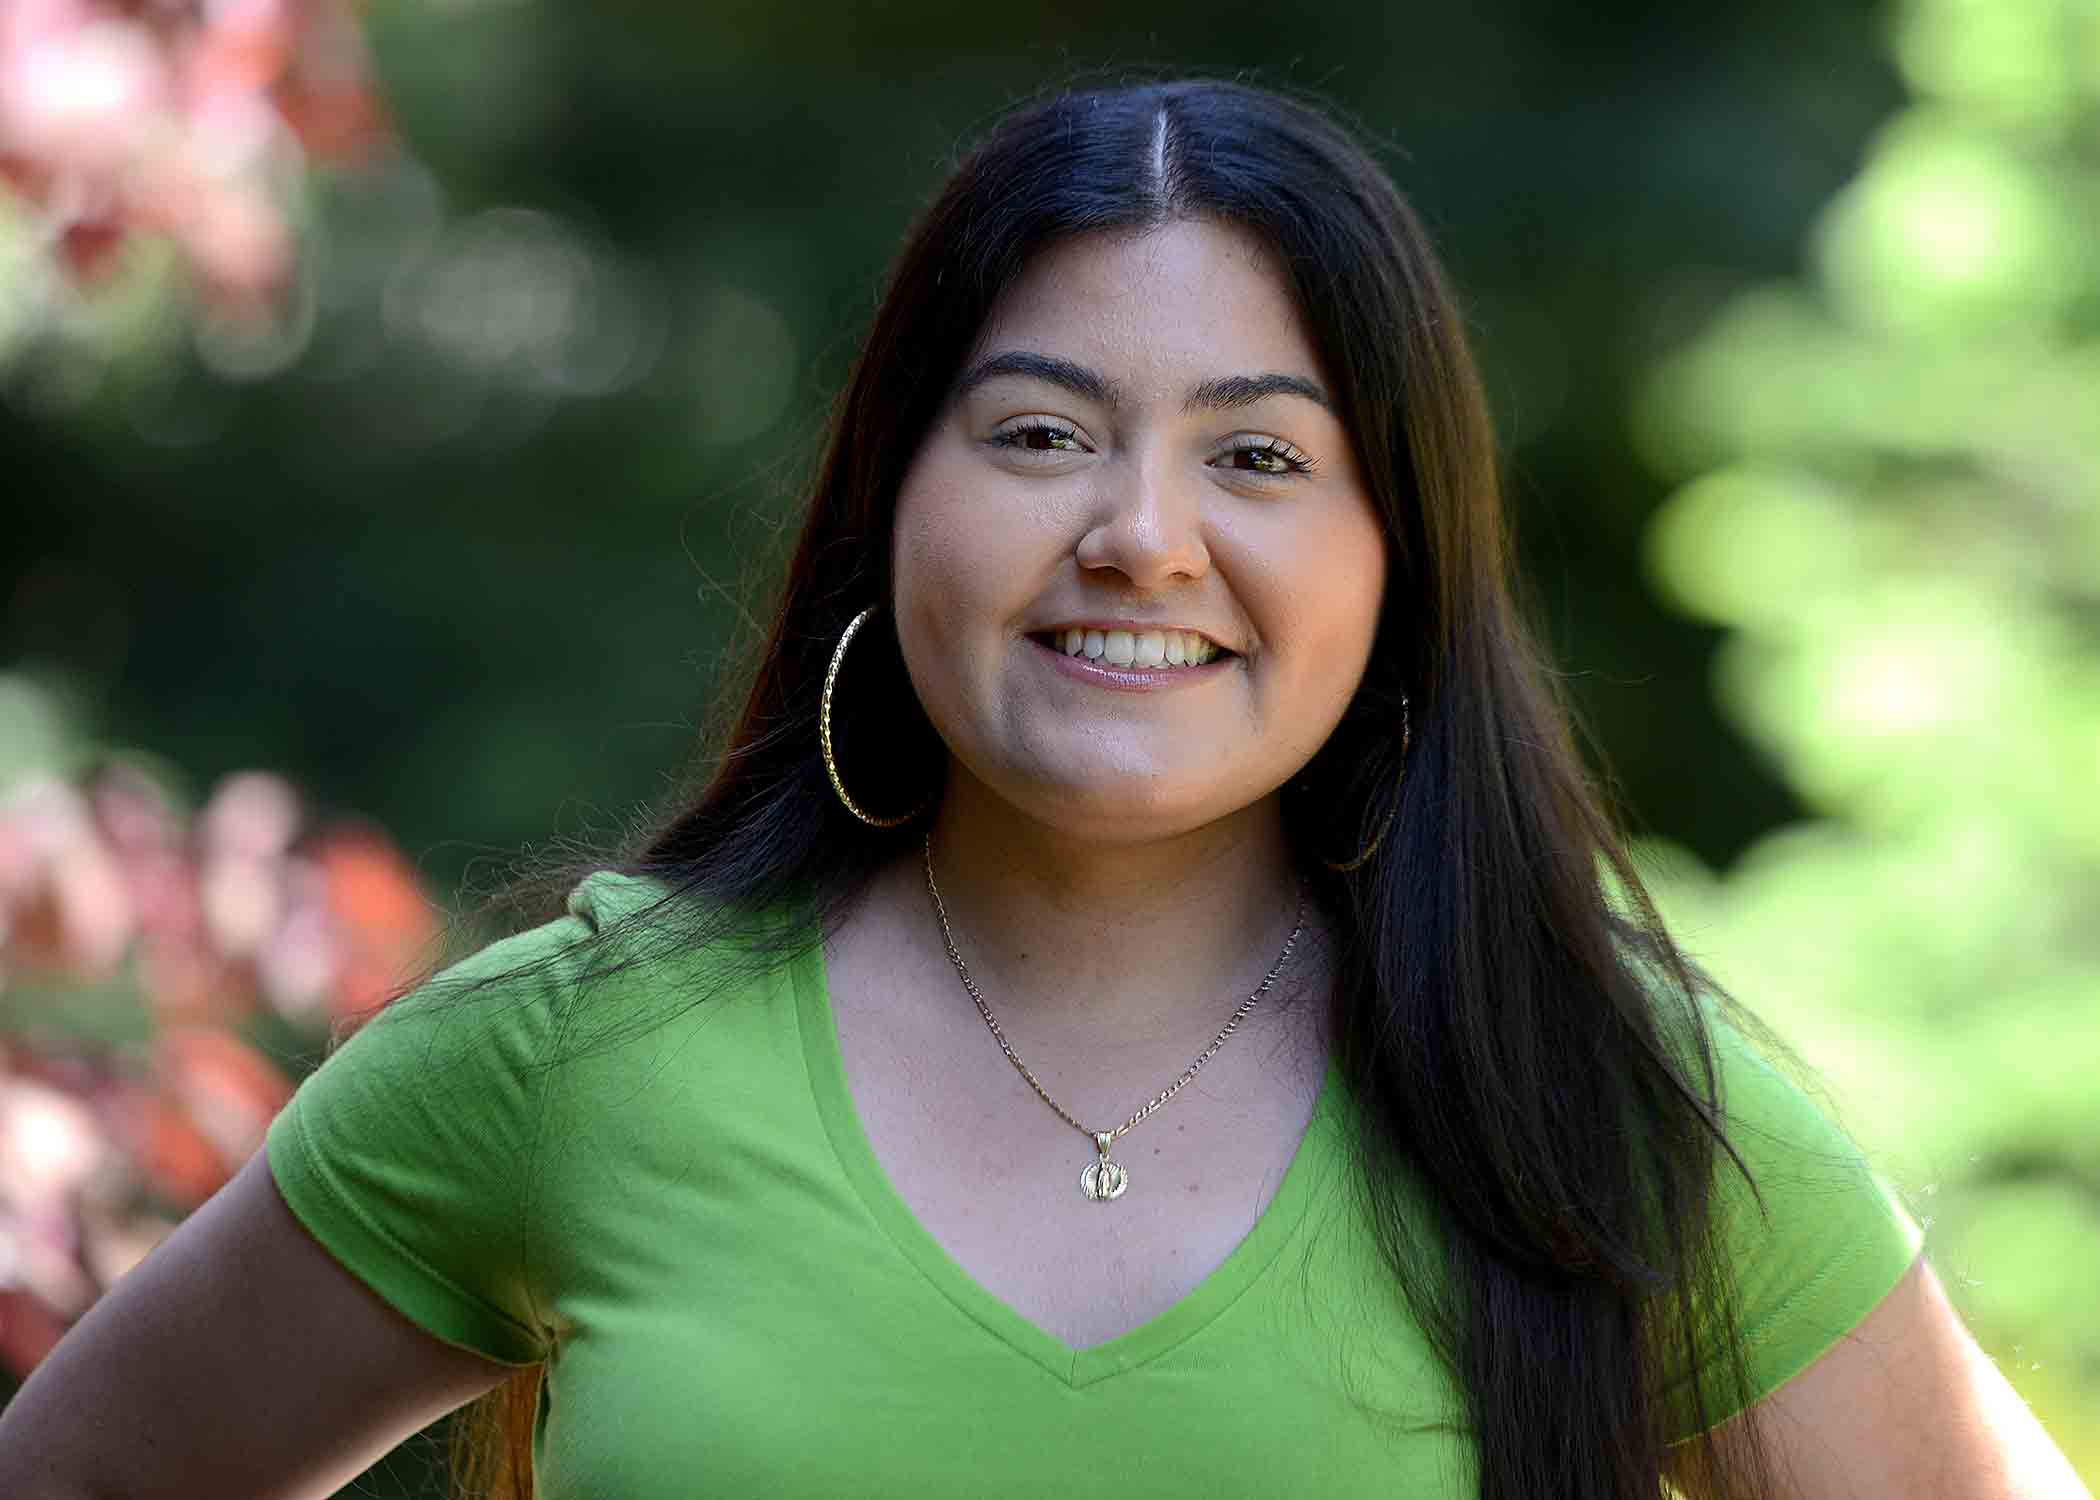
1149 527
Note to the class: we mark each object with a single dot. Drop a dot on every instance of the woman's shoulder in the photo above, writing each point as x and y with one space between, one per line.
411 1153
1789 1145
1771 1102
605 898
1760 1088
625 921
1811 1233
626 953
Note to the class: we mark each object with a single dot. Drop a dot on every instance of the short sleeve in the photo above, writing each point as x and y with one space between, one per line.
1831 1240
408 1153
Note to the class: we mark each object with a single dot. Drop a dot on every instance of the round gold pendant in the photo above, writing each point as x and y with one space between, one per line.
1103 1180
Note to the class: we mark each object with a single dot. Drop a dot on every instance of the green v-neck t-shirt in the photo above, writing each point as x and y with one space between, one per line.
684 1220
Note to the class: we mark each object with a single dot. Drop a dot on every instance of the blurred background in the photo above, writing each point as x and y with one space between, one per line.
400 405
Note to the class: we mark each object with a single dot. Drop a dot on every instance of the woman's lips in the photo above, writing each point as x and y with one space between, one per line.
1128 679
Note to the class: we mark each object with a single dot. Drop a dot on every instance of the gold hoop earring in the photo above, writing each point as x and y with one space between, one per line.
831 765
1386 824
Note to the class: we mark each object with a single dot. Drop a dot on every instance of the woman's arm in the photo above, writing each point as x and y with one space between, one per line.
1904 1406
237 1360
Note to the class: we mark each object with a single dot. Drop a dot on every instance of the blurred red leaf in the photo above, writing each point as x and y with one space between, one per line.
30 178
229 1091
385 923
170 1152
28 1331
89 247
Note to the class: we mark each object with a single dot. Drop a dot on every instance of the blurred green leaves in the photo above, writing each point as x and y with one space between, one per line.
1891 501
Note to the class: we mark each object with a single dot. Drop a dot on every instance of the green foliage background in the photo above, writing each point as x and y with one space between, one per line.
1791 317
1895 511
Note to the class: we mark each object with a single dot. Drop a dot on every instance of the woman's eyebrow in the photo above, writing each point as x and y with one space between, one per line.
1076 378
1221 393
1228 391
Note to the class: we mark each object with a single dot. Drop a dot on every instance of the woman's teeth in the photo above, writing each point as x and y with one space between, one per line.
1139 648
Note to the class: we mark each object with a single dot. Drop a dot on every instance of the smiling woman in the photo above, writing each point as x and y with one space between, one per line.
1139 450
1147 1001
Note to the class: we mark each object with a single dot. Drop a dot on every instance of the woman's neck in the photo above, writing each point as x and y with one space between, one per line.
1160 937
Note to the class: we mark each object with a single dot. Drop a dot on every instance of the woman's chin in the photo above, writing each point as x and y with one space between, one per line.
1124 809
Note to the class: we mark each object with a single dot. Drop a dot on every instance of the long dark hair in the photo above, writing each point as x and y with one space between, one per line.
1523 1040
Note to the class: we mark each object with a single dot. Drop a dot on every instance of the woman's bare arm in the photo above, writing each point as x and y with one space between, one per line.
1906 1405
239 1359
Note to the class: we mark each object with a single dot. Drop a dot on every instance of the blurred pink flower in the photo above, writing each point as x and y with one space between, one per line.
243 900
50 1144
242 835
188 924
82 91
177 119
300 961
250 813
64 902
145 834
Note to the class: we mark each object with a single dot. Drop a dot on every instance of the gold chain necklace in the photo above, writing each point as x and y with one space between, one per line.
1103 1179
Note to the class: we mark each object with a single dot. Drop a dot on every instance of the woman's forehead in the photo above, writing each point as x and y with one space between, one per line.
1156 310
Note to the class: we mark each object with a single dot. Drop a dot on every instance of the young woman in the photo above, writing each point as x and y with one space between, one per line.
1146 1001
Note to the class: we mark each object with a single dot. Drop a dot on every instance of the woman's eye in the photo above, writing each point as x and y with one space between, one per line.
1039 437
1267 456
